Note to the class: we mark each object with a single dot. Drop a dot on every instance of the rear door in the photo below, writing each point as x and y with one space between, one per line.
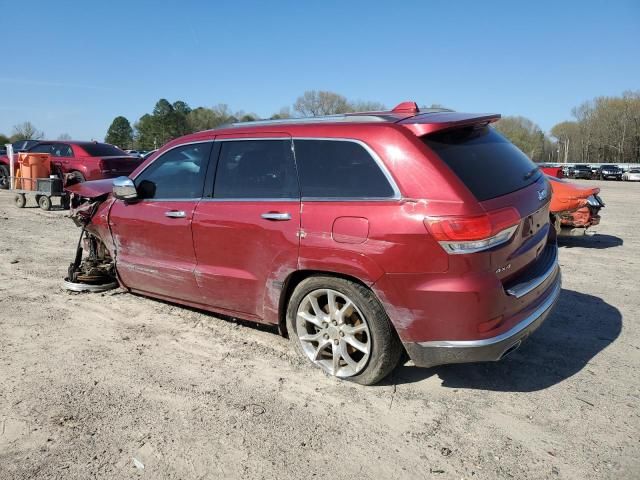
154 245
246 233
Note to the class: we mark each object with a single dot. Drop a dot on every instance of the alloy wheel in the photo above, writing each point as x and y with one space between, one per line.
333 332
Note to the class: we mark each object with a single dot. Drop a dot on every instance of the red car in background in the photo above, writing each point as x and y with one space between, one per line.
78 161
576 208
359 235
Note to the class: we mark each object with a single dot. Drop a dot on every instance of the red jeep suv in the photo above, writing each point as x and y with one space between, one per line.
360 235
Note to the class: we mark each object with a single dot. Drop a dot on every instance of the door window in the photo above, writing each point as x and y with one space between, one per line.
177 174
263 169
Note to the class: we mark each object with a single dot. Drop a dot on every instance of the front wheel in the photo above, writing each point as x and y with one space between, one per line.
342 328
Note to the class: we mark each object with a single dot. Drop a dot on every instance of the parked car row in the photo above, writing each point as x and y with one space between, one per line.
590 172
602 172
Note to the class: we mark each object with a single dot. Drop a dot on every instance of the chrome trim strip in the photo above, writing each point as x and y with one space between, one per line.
252 139
257 200
522 289
350 199
535 315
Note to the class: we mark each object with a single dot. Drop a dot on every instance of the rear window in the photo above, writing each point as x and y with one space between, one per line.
102 150
486 162
339 169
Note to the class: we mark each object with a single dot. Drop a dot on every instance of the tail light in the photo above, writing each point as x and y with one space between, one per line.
469 234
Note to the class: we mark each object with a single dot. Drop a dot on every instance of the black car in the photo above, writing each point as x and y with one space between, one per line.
580 171
610 172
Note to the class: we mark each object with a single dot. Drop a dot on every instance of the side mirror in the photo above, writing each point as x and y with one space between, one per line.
124 189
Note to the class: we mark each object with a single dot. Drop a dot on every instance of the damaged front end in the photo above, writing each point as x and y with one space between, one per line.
575 208
93 268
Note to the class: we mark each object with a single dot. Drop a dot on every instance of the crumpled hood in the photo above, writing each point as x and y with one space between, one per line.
92 189
567 196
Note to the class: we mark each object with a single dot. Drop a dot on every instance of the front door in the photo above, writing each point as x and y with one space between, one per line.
246 234
152 235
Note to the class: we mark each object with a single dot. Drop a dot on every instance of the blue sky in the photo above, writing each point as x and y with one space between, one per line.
74 66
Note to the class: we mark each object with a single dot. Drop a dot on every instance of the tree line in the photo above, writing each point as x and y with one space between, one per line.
603 130
171 120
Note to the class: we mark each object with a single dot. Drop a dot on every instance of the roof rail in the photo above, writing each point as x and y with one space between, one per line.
324 118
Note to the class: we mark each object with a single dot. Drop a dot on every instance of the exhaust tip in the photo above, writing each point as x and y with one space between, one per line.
511 349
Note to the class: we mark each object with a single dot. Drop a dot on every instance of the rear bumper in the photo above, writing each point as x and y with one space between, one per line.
439 352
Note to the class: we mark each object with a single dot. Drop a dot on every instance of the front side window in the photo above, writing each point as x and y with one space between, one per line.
177 174
261 169
339 169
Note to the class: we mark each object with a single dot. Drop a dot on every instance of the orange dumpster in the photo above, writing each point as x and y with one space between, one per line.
32 167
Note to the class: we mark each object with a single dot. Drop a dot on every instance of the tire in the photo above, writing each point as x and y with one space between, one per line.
364 324
44 202
20 200
4 177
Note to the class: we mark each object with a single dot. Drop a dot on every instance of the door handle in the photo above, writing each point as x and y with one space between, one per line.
175 214
275 216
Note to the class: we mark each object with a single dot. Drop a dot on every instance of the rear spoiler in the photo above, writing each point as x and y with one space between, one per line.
423 124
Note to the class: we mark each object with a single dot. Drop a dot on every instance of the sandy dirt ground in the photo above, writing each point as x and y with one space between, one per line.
119 386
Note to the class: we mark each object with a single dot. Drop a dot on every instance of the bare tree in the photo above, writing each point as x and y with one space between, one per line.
366 106
319 102
26 131
64 136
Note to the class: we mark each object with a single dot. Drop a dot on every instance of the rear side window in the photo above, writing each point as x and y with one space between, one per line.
486 162
256 169
339 169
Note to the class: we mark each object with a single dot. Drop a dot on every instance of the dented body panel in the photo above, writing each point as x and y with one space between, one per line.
576 207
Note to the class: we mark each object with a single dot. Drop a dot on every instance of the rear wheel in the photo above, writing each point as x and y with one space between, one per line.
342 328
4 177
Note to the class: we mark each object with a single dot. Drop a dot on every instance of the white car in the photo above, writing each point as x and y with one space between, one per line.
632 175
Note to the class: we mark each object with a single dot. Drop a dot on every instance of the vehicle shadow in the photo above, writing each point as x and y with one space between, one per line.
579 328
598 241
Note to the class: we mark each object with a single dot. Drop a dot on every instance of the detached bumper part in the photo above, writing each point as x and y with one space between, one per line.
440 352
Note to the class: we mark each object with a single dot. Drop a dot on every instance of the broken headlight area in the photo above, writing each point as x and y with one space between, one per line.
82 209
